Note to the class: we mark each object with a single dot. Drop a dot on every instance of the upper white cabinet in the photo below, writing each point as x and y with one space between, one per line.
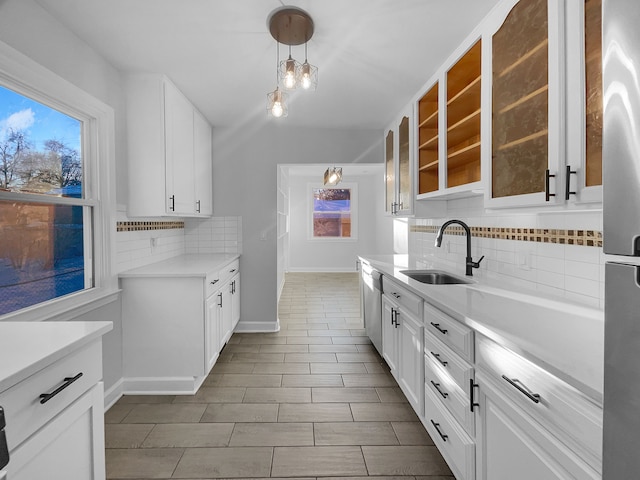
526 115
399 165
169 151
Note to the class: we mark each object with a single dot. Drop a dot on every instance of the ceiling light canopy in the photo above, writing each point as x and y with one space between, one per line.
290 26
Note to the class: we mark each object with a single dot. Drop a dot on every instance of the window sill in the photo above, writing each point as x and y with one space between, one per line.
65 308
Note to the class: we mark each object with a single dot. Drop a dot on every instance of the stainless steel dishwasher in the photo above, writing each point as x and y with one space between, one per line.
372 304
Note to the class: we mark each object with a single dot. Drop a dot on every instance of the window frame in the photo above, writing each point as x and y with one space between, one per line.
353 211
26 77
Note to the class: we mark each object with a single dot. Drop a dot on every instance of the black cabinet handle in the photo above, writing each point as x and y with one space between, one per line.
437 357
547 192
472 402
514 382
437 387
397 315
4 449
198 206
45 397
173 203
232 270
567 190
213 282
220 297
397 295
437 427
437 327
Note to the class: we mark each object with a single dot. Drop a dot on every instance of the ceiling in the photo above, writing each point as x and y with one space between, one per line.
373 55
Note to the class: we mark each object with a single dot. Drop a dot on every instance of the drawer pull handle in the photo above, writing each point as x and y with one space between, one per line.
472 402
232 270
437 427
437 387
45 397
437 327
213 282
514 382
397 295
440 361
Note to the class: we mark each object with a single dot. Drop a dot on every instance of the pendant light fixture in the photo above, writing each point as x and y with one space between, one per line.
290 26
277 100
333 176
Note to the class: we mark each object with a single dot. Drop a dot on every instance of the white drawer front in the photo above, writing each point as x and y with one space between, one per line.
459 370
403 297
457 448
454 334
230 270
24 412
456 399
212 283
575 418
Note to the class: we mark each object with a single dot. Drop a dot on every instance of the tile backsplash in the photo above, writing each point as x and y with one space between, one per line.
559 256
141 241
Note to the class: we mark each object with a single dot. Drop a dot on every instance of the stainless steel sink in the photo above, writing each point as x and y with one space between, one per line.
434 277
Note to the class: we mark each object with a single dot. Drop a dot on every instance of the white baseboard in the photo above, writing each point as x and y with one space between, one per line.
113 394
257 327
322 270
162 385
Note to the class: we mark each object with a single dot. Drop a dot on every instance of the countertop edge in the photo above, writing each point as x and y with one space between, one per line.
100 329
155 270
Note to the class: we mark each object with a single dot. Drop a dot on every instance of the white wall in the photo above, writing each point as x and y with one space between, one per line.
245 179
28 28
316 255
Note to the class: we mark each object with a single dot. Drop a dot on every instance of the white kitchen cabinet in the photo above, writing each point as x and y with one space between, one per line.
176 317
402 341
512 444
169 150
62 438
390 336
399 180
525 113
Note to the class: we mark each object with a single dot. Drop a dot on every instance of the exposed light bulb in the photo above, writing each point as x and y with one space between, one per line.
290 74
277 109
333 177
306 76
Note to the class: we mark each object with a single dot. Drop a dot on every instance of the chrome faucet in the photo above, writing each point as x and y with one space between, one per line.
470 264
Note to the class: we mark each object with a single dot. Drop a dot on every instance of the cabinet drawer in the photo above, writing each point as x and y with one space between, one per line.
212 283
230 270
457 448
24 412
572 416
403 297
454 398
459 370
452 333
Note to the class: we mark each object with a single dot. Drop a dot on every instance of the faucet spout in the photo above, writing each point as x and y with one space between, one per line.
470 264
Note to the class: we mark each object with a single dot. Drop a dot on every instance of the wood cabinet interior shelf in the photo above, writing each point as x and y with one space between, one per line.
428 142
520 101
593 80
463 119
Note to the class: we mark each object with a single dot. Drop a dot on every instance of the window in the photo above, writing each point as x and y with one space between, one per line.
333 213
56 161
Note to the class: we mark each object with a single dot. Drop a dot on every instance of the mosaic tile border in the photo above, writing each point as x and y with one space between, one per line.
143 226
587 238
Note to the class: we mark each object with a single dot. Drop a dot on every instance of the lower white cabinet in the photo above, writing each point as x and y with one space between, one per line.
62 438
402 346
174 327
513 444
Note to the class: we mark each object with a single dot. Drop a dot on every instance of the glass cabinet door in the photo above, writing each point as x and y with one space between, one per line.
404 166
390 176
593 88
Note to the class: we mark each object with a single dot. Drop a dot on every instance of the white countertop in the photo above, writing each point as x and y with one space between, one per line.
27 347
563 338
189 265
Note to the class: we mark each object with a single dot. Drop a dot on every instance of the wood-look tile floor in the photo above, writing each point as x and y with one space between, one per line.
312 400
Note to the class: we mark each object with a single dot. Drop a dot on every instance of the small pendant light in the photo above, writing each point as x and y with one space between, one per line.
277 100
308 73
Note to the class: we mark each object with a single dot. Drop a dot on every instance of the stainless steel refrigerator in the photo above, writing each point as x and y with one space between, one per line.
621 177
